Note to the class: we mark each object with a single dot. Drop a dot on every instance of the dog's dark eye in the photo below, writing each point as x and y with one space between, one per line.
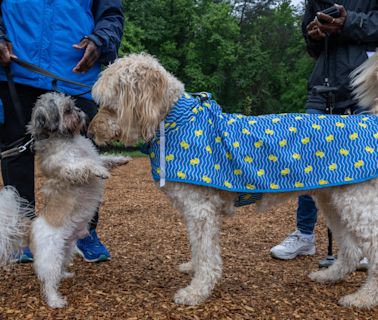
68 110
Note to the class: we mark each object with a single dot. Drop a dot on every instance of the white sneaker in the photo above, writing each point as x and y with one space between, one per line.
294 245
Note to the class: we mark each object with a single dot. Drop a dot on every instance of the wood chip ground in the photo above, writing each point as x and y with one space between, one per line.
147 240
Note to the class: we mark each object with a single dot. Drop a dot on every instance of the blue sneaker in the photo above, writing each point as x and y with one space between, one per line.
91 248
24 255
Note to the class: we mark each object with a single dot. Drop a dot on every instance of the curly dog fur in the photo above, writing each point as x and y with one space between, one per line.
136 93
74 175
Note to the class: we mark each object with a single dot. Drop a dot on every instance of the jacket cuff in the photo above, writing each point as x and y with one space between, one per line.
96 40
350 26
3 37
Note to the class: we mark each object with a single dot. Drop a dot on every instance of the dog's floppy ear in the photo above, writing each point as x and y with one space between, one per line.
150 103
39 120
105 90
141 100
38 123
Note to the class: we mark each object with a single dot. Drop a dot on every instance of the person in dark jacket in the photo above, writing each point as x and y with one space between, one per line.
71 39
339 45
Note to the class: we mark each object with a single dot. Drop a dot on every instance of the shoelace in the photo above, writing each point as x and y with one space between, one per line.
290 240
92 240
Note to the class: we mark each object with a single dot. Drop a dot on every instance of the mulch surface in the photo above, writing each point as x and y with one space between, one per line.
147 240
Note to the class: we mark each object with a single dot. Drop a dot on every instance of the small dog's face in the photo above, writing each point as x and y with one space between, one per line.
56 114
131 94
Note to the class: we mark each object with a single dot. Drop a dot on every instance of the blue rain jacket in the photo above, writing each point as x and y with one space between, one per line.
42 32
270 153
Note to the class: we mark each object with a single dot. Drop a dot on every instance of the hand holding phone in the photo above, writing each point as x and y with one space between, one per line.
331 20
333 12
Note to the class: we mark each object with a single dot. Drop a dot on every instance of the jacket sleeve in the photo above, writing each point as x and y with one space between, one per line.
314 48
3 34
361 27
108 30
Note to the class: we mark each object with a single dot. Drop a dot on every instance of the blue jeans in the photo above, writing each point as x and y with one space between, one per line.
307 213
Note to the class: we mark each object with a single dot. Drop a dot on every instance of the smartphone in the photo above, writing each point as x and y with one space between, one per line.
333 11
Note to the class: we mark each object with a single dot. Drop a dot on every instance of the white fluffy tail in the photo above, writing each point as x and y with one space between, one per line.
365 83
13 223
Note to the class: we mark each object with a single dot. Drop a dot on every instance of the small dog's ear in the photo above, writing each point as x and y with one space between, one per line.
40 121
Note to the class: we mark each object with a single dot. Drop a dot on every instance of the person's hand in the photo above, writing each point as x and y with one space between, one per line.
314 32
330 24
91 55
6 52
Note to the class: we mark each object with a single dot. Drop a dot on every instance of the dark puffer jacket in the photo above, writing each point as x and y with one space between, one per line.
347 50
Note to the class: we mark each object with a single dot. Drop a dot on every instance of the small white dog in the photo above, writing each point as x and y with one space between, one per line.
136 94
74 175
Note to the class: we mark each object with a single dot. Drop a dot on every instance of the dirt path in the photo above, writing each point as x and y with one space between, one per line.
147 241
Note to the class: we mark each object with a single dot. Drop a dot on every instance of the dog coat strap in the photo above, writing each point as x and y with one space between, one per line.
162 154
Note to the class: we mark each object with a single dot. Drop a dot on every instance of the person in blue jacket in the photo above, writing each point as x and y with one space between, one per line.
70 39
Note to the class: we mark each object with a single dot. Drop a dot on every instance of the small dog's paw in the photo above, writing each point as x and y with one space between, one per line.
119 161
186 267
101 173
189 296
102 176
115 161
57 302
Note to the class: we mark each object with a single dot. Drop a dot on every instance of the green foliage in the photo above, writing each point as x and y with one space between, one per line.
249 54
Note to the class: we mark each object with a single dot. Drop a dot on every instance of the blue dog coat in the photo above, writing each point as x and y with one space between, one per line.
199 144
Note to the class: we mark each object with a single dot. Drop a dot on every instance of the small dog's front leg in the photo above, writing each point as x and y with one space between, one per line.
114 161
81 172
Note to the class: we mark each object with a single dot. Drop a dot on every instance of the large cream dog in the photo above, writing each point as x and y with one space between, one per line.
136 94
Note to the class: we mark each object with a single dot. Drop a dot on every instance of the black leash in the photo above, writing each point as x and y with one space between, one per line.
15 151
14 96
44 72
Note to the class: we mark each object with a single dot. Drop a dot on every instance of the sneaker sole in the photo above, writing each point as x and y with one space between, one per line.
293 255
101 258
363 267
22 260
